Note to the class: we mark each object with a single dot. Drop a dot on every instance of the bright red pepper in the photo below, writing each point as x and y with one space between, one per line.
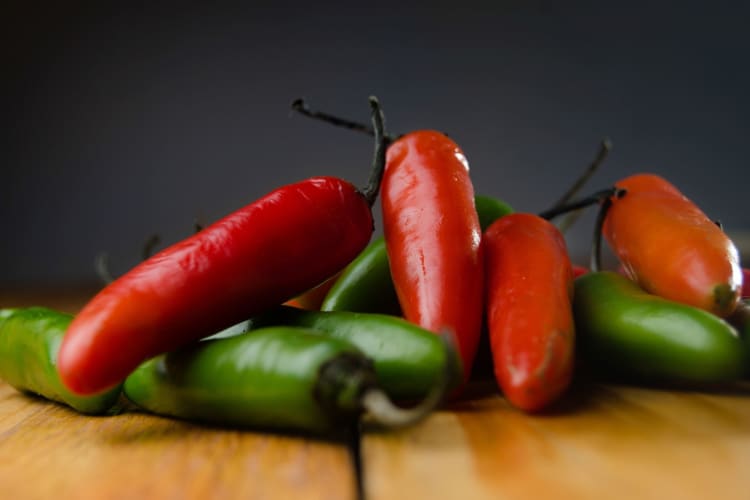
433 237
529 309
670 247
229 271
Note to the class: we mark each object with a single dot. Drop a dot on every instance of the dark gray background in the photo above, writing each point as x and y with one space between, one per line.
119 122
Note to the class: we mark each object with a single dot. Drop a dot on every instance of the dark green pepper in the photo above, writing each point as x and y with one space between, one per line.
740 319
624 331
277 377
409 361
29 342
490 209
365 285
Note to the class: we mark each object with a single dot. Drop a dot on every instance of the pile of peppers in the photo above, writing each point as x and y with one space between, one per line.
285 315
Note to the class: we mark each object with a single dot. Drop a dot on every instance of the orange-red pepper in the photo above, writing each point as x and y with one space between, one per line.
529 309
670 247
433 237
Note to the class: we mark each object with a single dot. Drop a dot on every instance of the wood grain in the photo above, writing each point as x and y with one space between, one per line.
48 451
616 442
608 442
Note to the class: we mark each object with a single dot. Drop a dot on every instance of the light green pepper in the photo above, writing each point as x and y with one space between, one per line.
29 342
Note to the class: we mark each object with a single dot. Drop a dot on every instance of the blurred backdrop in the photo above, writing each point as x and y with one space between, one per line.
120 121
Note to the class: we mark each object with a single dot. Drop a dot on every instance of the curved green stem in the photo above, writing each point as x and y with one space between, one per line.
382 409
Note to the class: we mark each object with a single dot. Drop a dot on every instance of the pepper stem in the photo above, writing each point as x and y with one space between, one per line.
149 246
300 106
592 199
101 261
604 148
370 192
101 266
382 140
596 244
382 409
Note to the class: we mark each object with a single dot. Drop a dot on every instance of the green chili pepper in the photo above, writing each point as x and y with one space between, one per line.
409 361
365 285
740 319
29 342
276 377
5 314
490 209
625 331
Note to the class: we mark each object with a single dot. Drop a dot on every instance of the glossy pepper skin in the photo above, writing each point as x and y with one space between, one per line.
229 271
408 360
529 311
740 320
29 343
365 285
626 332
276 377
234 269
670 247
433 237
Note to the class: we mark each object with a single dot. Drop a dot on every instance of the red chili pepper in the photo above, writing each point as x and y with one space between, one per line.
670 247
433 236
529 309
229 271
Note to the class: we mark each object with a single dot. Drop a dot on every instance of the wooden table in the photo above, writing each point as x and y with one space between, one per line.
605 442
